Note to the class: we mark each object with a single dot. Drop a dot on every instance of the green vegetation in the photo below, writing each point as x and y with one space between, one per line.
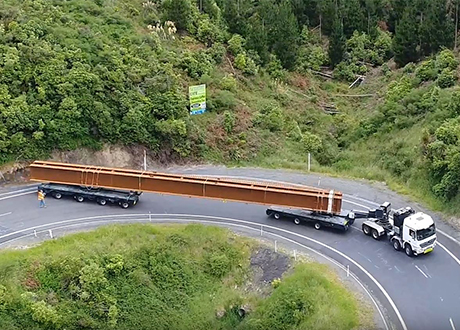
84 73
154 277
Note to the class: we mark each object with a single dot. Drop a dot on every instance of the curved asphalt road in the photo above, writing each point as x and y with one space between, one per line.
425 290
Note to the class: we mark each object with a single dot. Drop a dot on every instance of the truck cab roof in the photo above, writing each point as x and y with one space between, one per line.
419 221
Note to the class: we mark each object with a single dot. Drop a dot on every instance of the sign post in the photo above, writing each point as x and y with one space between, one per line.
197 99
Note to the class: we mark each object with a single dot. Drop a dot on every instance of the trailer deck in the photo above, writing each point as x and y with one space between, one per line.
341 221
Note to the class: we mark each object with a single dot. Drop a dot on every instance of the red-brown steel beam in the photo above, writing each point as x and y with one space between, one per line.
235 190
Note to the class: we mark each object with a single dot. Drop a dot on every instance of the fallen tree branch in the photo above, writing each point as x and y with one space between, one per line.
323 74
355 95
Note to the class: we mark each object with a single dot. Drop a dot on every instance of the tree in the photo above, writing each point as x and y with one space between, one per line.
354 19
406 39
337 42
285 34
436 29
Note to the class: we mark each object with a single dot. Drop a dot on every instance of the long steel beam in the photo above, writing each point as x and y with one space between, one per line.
313 199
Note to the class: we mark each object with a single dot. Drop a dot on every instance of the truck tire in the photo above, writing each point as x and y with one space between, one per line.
57 195
317 226
396 245
375 234
366 230
297 221
124 205
269 212
102 202
276 216
79 198
408 250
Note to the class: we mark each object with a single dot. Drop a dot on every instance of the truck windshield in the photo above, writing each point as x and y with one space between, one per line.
425 233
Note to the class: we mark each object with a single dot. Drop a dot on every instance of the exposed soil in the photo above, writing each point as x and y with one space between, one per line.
266 265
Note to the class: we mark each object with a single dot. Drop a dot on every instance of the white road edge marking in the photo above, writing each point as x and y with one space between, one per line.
4 214
450 253
421 271
231 224
18 195
16 191
373 279
452 324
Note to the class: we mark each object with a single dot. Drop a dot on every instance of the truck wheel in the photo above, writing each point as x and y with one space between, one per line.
317 226
57 195
396 245
80 199
102 202
269 212
408 250
297 221
125 205
366 230
375 234
276 216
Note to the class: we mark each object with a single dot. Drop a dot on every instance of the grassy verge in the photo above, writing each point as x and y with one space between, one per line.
162 277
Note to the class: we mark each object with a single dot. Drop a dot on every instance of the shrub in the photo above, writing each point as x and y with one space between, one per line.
427 71
228 83
446 78
219 265
311 142
275 68
224 100
229 121
45 314
217 52
236 44
240 61
446 60
208 32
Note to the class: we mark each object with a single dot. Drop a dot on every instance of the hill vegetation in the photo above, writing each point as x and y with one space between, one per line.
82 73
170 277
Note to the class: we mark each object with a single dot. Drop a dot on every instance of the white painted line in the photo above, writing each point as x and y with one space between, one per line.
235 225
452 324
16 191
343 255
8 213
450 253
421 271
18 195
448 236
362 255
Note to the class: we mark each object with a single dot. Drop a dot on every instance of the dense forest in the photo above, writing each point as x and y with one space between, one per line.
81 73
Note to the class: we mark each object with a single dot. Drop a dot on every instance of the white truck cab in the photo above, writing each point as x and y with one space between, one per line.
419 232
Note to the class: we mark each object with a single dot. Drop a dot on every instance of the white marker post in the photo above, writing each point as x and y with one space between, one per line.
348 270
51 233
275 247
35 233
309 162
145 160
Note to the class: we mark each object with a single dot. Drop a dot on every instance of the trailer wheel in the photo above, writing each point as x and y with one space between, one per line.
269 212
57 195
375 234
276 216
366 230
102 202
408 250
396 245
80 198
317 226
125 205
297 221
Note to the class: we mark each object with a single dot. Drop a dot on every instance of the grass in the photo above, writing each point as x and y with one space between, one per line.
161 277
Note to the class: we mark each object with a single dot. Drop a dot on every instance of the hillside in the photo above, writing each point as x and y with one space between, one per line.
81 74
169 277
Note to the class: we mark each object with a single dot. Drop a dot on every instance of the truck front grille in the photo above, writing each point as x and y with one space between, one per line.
431 241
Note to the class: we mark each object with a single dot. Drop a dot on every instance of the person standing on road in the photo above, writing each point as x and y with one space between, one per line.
41 198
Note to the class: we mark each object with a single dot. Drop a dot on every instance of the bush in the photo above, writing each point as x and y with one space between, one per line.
228 83
427 71
217 52
229 121
236 44
223 100
311 142
446 60
446 78
208 32
240 61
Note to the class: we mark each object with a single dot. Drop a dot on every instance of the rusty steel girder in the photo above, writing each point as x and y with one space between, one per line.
312 199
